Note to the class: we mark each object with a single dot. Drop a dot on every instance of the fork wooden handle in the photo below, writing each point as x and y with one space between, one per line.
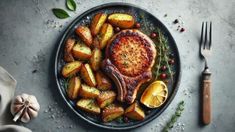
206 87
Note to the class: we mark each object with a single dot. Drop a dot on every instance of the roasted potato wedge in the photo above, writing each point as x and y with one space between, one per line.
95 60
88 75
103 82
88 92
96 42
106 98
68 57
96 23
88 105
81 51
71 68
73 87
85 34
121 20
112 112
135 112
106 33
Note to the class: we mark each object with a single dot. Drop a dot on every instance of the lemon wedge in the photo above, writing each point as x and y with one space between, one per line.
155 94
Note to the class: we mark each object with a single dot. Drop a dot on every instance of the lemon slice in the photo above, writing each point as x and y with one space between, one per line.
155 94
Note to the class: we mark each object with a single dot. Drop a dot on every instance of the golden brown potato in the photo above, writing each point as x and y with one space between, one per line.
81 51
68 57
95 59
73 87
134 112
121 20
112 112
103 82
106 98
88 105
96 42
88 75
88 92
106 33
85 34
71 68
96 23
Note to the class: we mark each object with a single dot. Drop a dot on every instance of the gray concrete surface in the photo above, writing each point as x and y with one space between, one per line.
28 41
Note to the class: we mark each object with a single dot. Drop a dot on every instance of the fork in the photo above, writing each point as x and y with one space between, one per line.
205 50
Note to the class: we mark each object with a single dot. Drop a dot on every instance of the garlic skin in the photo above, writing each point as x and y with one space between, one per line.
24 107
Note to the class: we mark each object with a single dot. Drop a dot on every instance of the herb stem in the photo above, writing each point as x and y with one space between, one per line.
174 118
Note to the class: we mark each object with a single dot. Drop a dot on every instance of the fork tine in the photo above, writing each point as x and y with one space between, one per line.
206 40
202 35
210 33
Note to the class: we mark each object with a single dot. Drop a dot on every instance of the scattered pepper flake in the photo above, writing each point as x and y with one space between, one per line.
182 29
176 21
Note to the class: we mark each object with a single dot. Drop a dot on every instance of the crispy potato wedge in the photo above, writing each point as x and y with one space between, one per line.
71 68
88 105
88 75
106 34
73 87
121 20
103 82
68 57
106 98
95 60
96 42
111 112
85 34
81 51
88 92
135 112
96 23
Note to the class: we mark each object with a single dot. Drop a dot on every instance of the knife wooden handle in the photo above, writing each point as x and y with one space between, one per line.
206 88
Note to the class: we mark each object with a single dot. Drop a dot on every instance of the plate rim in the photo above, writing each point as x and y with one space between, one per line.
64 35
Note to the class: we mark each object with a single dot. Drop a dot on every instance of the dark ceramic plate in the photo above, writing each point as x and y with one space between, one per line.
150 23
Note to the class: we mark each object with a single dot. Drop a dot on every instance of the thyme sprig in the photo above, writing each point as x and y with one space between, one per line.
174 117
66 82
163 55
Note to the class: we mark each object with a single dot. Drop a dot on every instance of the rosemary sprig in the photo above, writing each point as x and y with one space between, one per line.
174 117
66 82
163 51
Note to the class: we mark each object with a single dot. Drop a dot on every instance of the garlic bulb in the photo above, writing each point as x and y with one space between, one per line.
24 107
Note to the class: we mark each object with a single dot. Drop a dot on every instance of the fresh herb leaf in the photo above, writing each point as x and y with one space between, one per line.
71 5
60 13
119 119
174 117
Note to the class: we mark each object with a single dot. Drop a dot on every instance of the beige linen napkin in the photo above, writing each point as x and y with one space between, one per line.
7 90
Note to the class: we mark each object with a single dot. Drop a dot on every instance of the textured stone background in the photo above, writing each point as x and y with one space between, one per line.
28 36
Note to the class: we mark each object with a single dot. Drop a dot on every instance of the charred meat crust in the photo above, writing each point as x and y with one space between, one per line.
131 52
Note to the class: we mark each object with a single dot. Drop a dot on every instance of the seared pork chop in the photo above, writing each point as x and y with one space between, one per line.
130 56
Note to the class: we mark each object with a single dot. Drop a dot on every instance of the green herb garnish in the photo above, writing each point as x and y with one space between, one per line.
60 13
163 55
71 5
174 117
119 119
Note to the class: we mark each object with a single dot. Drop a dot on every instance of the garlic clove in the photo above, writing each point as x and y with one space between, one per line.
35 106
24 96
18 100
25 116
18 114
16 108
32 113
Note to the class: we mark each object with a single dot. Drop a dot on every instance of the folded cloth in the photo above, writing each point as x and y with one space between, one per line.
7 89
13 128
